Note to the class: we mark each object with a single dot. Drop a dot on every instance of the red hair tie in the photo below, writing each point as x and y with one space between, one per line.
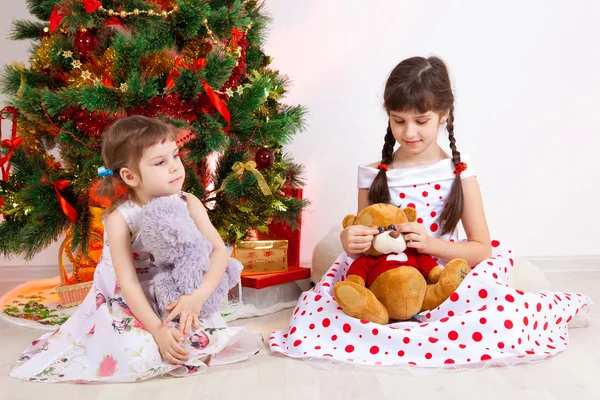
460 168
383 166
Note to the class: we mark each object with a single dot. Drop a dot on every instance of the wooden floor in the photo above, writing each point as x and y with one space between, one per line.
572 375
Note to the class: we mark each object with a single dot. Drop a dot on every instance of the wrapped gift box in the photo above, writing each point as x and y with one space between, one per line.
262 256
284 231
272 290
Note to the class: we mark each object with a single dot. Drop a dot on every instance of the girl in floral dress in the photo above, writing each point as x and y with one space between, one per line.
116 335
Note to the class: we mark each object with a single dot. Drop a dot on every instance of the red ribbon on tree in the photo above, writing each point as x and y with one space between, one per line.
55 18
114 21
5 161
198 65
91 5
11 143
59 185
236 36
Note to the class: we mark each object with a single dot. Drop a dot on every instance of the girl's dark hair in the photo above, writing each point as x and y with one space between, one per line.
421 84
123 145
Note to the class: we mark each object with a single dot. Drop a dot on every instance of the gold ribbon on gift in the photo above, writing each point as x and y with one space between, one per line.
239 168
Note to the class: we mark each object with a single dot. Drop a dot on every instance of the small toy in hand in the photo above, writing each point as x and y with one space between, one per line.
392 281
182 254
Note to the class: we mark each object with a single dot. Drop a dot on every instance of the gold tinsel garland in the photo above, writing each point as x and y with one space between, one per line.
197 48
43 52
157 64
92 72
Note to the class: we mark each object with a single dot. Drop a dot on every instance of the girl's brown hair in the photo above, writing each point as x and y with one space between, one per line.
421 84
123 145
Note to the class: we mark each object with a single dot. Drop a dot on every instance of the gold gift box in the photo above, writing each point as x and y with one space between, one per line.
262 256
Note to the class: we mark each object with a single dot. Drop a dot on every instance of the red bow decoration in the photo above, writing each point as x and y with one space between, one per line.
198 65
57 16
55 19
91 5
114 21
64 205
236 36
11 143
460 168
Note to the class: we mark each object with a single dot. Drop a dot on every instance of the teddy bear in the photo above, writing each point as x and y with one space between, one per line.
181 254
391 281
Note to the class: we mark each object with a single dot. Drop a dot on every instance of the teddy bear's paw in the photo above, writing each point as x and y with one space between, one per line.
359 302
451 277
455 272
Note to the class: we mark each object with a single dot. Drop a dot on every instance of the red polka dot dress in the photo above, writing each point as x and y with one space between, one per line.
484 323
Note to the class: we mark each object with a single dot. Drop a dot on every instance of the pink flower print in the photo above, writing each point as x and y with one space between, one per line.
136 256
100 299
117 288
127 311
138 324
91 332
199 340
35 342
108 367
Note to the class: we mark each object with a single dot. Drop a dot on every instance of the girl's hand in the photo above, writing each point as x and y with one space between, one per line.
416 236
168 338
187 307
358 238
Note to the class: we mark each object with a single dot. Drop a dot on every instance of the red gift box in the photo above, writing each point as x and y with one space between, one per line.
284 231
268 280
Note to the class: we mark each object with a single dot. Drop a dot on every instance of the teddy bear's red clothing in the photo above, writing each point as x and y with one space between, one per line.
369 268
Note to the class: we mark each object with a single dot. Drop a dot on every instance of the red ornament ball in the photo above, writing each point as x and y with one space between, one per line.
85 42
44 33
264 158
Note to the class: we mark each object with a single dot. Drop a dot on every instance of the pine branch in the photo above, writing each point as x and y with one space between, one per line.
187 23
139 93
42 8
218 69
22 30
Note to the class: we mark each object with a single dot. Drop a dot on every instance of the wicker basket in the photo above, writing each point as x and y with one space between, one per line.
71 294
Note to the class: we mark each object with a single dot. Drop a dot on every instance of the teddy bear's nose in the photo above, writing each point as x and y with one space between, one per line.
394 234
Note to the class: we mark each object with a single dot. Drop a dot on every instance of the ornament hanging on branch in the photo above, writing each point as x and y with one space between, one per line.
264 158
85 42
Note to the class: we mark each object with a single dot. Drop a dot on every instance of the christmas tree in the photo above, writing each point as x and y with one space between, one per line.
197 64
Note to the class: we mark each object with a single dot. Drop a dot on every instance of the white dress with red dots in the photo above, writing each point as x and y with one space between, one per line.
103 341
484 323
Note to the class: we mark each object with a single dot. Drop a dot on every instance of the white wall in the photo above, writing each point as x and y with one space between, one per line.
527 81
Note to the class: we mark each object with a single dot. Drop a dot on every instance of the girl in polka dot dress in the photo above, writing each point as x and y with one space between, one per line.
484 322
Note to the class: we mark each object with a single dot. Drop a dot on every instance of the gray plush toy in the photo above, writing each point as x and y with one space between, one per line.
182 254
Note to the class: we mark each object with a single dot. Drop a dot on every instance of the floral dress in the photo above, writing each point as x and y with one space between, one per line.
103 341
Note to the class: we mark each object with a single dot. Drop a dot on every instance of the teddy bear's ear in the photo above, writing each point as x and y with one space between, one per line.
411 214
349 220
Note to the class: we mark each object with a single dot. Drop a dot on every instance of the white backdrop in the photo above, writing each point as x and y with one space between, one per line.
527 82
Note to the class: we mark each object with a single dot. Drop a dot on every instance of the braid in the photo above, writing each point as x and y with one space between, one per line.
379 191
388 148
454 208
450 127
